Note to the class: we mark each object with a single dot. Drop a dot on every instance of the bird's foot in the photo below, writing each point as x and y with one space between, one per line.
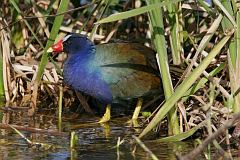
104 119
107 115
133 123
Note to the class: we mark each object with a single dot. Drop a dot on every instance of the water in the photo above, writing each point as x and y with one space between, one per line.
95 142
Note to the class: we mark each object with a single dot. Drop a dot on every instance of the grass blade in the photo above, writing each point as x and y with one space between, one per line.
183 135
135 12
56 25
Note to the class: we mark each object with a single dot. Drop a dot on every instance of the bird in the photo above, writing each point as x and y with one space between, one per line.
110 72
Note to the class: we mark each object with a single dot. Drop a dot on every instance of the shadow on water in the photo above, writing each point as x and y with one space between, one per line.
95 142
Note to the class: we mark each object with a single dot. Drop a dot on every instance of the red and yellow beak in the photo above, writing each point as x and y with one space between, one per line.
56 48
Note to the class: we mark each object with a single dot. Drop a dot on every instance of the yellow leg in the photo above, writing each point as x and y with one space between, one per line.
107 115
137 109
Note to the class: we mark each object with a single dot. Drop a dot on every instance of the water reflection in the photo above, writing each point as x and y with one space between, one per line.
96 142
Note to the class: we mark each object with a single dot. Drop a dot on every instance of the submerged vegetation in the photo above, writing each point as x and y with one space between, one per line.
197 45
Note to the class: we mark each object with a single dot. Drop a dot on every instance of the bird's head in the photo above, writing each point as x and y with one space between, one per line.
73 44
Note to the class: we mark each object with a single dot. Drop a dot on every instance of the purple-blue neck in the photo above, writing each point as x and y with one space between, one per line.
81 70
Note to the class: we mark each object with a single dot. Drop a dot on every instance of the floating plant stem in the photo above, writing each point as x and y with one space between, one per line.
60 108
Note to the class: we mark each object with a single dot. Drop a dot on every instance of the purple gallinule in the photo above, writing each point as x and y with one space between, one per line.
109 72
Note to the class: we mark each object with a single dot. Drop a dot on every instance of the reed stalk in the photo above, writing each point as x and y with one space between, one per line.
230 22
158 37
